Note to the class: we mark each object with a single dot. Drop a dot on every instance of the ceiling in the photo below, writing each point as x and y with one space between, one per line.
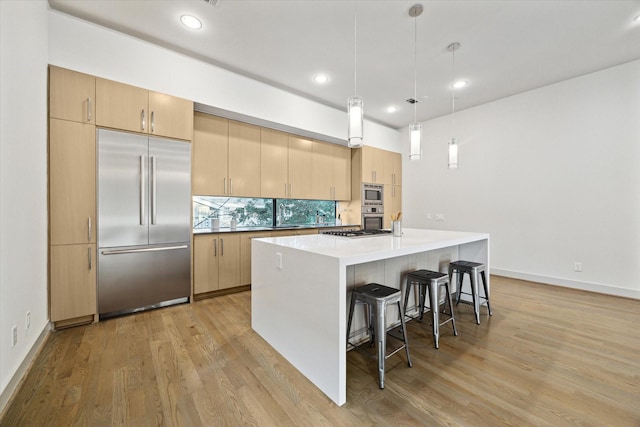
507 46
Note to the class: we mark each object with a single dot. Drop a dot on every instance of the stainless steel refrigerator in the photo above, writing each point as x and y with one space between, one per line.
144 222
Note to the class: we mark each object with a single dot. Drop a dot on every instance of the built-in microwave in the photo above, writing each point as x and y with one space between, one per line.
372 194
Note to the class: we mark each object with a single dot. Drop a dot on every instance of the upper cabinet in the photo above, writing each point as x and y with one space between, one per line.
286 163
126 107
331 172
226 157
244 160
210 148
72 95
381 166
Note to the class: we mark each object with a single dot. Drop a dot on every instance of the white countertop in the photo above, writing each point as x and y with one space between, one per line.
364 249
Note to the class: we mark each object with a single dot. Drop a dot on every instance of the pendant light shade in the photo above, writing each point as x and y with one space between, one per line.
453 153
415 150
355 112
415 128
355 104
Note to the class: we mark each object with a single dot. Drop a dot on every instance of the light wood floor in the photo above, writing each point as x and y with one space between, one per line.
548 357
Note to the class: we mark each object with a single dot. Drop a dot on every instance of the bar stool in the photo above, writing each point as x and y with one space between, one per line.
471 268
431 281
378 297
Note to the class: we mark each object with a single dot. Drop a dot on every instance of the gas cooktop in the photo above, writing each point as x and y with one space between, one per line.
357 233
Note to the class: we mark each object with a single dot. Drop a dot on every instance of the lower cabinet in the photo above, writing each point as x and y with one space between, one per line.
245 254
216 262
73 284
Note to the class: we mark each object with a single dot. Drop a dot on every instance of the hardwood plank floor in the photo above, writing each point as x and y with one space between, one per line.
549 356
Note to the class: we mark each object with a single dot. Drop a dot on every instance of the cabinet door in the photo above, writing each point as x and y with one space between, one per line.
73 281
394 172
229 261
373 165
392 202
72 95
205 263
245 255
341 173
274 150
209 163
244 159
322 171
300 167
72 182
121 106
170 116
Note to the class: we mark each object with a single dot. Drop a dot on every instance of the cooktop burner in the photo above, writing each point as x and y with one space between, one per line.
357 233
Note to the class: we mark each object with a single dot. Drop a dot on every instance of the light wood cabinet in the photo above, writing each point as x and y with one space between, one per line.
274 163
331 172
131 108
381 166
72 95
72 182
210 153
216 262
245 254
73 281
392 202
244 160
300 166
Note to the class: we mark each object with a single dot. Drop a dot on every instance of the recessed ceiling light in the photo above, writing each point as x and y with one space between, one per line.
191 22
391 109
321 78
459 84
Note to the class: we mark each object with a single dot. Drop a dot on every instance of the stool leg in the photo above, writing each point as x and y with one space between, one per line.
423 296
434 302
381 339
453 319
353 303
404 338
407 290
474 294
486 292
459 281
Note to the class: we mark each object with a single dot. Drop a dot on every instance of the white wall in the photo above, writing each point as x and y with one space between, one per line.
95 50
553 174
23 181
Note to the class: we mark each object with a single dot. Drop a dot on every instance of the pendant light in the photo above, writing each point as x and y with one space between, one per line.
355 104
453 143
415 129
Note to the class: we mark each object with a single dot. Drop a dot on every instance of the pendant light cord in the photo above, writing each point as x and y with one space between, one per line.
355 51
415 67
453 96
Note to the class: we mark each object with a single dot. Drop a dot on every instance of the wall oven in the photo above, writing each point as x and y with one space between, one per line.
372 221
372 195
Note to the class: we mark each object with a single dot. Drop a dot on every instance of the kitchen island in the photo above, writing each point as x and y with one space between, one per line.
301 284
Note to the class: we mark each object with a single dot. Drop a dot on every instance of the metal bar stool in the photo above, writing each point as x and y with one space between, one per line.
431 281
471 268
377 297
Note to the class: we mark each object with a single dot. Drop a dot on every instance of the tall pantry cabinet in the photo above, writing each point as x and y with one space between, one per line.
72 197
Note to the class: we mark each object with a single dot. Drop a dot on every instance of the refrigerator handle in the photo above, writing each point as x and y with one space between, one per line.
153 190
142 211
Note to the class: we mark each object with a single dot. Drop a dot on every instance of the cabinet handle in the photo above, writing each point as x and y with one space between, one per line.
290 190
225 185
90 260
221 246
285 189
89 227
142 119
230 186
89 109
142 211
215 247
153 121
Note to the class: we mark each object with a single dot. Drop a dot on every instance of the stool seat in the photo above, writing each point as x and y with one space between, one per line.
429 283
377 297
473 269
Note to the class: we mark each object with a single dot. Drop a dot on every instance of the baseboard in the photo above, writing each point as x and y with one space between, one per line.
585 286
23 370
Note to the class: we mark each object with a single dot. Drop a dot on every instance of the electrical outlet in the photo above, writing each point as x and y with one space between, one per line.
278 260
429 218
439 217
28 320
14 336
577 266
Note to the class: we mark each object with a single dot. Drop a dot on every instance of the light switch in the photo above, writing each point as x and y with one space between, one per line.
279 260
